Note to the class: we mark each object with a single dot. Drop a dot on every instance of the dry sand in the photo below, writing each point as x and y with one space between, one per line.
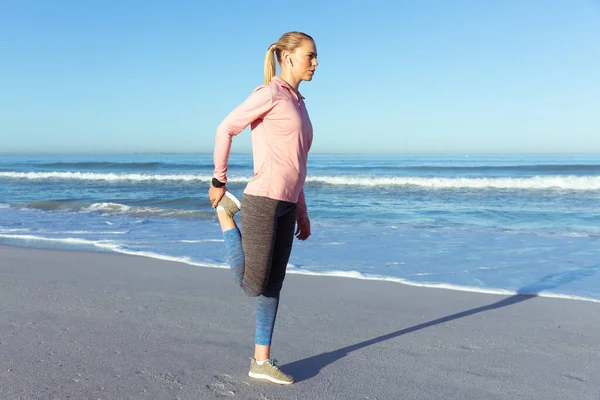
79 325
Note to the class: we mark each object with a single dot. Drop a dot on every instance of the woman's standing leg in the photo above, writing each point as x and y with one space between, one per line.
268 302
268 232
270 283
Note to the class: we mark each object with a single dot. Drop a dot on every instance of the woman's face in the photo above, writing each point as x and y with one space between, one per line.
303 61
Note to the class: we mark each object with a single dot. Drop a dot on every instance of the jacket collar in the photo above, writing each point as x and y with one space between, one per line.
286 85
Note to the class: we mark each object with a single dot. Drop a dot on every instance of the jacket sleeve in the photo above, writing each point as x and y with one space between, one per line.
259 103
301 210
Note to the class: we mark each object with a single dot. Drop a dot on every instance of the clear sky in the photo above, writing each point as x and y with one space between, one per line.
395 76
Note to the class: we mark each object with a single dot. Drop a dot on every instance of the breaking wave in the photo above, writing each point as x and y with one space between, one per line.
555 182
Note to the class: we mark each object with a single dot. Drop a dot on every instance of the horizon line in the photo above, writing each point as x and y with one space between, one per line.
312 153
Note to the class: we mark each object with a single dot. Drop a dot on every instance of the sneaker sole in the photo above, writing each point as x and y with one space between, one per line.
268 378
234 199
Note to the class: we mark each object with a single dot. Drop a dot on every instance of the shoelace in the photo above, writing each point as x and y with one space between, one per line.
274 364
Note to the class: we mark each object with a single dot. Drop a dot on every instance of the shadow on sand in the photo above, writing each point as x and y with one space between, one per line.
311 366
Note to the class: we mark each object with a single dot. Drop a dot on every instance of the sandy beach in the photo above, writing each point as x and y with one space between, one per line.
80 325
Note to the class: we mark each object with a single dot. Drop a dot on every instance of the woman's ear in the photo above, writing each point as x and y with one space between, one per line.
286 58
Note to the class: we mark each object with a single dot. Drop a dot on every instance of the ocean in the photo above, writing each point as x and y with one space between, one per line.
489 223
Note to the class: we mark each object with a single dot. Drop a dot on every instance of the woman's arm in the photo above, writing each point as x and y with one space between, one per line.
303 223
254 107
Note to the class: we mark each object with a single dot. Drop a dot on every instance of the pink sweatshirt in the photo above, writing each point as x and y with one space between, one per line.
281 138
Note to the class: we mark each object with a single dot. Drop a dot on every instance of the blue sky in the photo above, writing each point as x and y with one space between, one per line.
394 76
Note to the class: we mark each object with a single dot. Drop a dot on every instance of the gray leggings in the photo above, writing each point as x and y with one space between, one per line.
267 238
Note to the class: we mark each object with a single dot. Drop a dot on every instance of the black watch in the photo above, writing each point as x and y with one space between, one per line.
217 183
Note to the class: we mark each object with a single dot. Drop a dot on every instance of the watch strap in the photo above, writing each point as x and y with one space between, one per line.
217 183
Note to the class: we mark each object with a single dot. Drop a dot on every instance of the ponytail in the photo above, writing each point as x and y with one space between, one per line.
270 70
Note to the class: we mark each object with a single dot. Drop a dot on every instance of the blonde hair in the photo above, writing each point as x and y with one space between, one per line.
289 41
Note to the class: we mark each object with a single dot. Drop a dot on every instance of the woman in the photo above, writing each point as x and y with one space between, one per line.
273 202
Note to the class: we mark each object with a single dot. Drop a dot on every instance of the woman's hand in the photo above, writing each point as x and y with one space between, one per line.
303 228
215 194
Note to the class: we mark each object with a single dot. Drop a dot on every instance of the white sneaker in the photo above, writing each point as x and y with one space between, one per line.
229 203
269 371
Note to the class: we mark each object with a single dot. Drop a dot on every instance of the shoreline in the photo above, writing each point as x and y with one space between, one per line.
104 325
293 270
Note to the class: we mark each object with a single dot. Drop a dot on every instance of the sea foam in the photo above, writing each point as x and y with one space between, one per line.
542 182
536 182
462 288
115 247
